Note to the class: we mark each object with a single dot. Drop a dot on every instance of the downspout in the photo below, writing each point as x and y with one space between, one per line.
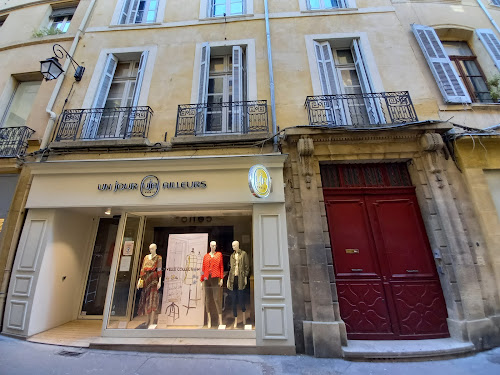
57 88
489 16
271 78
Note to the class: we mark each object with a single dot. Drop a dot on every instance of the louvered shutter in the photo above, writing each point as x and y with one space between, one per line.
373 108
491 43
452 88
203 88
128 6
92 123
334 110
137 90
237 109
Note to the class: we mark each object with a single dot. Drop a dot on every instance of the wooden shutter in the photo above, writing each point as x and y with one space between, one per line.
334 110
450 84
140 77
93 120
129 11
491 43
373 108
137 89
203 88
237 110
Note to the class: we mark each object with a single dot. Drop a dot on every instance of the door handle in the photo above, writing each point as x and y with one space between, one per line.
356 269
412 271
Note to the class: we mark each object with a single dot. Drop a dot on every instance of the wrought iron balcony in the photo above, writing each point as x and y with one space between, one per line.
222 118
361 110
14 141
104 123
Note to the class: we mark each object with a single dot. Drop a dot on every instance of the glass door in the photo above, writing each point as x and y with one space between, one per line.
100 267
126 272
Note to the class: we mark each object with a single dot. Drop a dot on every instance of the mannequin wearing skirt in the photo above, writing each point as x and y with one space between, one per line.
150 281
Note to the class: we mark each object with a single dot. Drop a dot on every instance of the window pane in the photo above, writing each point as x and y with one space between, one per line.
331 3
344 56
216 64
20 107
236 7
215 85
349 78
313 4
457 49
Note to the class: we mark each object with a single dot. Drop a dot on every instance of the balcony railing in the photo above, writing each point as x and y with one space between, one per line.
222 118
14 141
361 110
104 123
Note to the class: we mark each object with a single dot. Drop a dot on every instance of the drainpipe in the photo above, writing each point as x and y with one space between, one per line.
271 78
489 16
57 88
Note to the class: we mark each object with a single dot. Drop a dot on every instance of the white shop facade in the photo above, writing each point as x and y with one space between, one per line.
89 228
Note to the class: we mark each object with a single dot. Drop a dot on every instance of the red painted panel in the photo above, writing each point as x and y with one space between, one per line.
351 238
400 236
420 307
363 307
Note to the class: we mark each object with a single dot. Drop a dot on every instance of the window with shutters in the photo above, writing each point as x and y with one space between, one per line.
495 2
138 11
225 8
60 19
223 90
326 4
20 104
117 95
343 72
455 67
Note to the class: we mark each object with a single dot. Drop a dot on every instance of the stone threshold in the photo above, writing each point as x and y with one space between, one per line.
406 349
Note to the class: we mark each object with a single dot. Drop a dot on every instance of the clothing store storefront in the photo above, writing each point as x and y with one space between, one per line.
163 248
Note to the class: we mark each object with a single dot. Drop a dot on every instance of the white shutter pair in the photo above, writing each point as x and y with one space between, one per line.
92 122
237 93
130 9
337 110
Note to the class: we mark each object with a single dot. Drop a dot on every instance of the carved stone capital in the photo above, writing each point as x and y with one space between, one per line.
305 149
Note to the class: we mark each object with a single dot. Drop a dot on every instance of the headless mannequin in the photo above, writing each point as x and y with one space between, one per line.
213 247
151 255
237 250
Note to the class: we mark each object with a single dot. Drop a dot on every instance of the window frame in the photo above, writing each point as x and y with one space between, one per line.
120 4
67 15
495 3
3 18
206 10
304 6
456 59
10 95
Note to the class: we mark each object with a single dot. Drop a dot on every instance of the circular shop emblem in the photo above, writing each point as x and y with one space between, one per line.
150 186
259 181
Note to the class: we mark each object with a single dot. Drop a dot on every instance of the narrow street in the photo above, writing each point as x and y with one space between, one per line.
23 358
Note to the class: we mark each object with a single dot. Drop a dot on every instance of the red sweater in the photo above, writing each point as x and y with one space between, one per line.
212 267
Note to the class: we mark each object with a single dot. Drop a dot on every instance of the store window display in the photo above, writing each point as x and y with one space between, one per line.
237 280
150 282
212 276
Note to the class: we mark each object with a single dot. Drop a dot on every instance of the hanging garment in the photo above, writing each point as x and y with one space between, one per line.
212 266
150 274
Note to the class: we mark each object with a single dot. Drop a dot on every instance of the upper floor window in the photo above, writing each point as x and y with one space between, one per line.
221 8
20 104
139 11
326 4
455 67
2 19
468 70
60 19
495 2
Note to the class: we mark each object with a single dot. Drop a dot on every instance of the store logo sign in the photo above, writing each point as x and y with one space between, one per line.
259 181
150 186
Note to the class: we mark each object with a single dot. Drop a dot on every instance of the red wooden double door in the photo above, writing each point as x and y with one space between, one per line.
387 283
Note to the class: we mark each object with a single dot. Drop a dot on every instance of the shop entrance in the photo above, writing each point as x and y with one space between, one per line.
387 283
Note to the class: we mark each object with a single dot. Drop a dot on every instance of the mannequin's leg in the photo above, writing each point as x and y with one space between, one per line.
235 325
220 319
209 320
244 318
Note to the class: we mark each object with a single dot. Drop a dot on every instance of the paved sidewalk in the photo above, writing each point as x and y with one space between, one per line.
24 358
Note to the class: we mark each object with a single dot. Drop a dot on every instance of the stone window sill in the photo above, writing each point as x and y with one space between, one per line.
469 107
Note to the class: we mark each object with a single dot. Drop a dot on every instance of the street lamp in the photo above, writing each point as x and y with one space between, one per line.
51 68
